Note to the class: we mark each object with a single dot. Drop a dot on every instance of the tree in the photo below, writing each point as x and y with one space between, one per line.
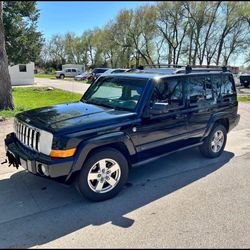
23 42
173 25
6 101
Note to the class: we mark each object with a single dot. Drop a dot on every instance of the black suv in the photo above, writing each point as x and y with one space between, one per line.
124 120
245 80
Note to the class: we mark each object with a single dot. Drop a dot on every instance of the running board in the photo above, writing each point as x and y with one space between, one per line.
137 164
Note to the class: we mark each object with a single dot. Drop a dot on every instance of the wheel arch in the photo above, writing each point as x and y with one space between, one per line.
117 140
220 118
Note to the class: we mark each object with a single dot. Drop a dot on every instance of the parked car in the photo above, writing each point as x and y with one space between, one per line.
96 72
114 71
245 80
122 121
82 76
67 72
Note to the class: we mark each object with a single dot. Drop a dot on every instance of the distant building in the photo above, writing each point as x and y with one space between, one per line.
22 74
81 67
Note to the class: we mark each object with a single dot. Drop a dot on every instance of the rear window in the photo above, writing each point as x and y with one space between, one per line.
99 70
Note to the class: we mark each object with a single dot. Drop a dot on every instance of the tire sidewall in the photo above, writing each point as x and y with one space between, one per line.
110 153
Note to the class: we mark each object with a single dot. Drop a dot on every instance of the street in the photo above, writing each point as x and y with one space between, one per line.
180 201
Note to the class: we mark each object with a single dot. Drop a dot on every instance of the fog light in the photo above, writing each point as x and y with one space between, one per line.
44 169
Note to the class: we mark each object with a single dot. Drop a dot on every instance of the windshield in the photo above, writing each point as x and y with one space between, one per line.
116 92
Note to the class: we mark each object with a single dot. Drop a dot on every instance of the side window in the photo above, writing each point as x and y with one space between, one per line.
73 70
208 88
196 89
227 87
216 86
22 68
68 70
169 91
200 89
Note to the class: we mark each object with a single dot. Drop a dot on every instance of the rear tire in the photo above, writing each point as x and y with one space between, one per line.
62 76
215 142
103 175
246 85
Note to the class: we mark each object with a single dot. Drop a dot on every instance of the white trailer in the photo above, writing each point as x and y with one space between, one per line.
22 74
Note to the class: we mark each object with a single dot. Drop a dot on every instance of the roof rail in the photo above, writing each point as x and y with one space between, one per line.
206 68
162 65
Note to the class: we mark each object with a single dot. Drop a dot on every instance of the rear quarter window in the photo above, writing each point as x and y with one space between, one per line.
227 86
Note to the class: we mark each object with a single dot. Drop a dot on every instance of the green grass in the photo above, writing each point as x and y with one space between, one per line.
243 98
30 98
45 76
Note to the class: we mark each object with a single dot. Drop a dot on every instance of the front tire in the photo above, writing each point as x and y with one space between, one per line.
103 175
214 144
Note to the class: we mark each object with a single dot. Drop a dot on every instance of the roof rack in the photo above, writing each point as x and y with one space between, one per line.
182 69
202 68
164 65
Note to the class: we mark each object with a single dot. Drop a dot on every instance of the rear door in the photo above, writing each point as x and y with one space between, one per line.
68 72
200 103
74 72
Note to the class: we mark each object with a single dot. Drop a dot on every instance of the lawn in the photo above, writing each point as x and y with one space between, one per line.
45 76
243 98
31 97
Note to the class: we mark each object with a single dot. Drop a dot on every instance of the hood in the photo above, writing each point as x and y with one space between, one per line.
74 117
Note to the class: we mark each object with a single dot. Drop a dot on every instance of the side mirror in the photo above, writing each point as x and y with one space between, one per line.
159 108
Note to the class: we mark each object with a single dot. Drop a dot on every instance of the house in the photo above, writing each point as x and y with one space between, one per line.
81 67
22 74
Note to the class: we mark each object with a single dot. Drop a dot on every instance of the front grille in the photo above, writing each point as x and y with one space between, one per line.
27 135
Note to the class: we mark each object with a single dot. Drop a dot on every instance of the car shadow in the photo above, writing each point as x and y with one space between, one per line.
60 210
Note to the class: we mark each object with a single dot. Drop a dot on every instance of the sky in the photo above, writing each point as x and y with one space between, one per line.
59 17
63 16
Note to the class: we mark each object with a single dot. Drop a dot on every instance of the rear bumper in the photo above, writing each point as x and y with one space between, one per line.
34 162
234 123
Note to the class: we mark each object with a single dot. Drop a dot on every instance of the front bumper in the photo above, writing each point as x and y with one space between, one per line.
34 162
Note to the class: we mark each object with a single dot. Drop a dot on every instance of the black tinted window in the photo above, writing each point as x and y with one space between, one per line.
227 86
200 89
73 70
118 71
196 89
169 91
99 71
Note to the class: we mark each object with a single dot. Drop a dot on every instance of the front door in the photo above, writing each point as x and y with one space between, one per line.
170 126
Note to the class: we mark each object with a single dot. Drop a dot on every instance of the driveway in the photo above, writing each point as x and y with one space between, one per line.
180 201
71 85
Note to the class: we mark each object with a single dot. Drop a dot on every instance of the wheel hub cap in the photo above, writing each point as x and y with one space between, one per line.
217 141
104 175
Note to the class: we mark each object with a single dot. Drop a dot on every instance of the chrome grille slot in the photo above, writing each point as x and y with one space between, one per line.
27 135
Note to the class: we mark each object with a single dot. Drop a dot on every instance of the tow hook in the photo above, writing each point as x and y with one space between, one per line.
12 160
4 162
